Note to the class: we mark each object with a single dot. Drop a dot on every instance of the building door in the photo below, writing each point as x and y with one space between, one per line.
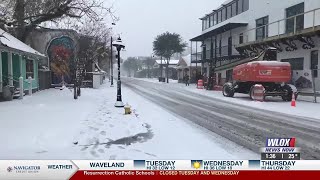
5 68
230 46
16 69
296 23
212 51
262 28
229 74
204 54
315 62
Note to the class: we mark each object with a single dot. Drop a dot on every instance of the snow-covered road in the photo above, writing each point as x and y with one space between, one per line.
245 125
52 125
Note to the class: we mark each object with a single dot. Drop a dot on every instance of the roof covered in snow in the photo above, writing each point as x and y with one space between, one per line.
187 59
8 40
164 62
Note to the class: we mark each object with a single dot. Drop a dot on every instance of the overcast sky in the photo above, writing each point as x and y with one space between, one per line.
142 20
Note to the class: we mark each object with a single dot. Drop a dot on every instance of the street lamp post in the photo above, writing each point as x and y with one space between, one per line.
111 57
119 45
111 62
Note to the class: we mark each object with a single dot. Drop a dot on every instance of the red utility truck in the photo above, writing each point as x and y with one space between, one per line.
264 70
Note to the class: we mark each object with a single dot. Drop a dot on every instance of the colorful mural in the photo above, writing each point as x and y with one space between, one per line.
61 53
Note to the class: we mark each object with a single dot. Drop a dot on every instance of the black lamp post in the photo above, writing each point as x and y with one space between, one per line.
111 62
119 45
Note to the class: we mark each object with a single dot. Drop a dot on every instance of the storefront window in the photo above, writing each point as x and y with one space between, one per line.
296 63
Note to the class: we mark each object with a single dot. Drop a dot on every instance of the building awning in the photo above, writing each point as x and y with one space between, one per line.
218 30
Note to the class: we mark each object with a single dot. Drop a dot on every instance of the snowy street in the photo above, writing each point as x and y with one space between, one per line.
52 125
242 121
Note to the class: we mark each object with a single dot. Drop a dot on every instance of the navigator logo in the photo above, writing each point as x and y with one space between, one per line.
9 169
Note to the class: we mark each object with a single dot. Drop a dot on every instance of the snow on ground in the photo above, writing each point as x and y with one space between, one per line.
52 125
156 80
305 106
175 138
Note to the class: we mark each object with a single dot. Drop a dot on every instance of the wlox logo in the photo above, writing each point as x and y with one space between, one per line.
281 142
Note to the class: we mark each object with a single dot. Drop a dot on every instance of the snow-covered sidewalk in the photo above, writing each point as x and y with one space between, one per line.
305 106
52 125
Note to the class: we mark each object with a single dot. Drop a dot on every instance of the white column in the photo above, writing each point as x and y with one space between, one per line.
30 85
10 69
0 71
20 61
21 87
21 78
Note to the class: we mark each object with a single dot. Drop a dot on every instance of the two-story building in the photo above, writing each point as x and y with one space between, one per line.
240 29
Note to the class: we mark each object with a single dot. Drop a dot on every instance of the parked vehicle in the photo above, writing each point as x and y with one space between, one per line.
264 70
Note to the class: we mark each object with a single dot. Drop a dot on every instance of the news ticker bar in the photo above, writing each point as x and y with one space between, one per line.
66 169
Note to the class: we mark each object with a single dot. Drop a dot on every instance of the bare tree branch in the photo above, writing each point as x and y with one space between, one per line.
25 15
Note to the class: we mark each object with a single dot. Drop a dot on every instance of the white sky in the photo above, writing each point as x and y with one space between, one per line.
142 20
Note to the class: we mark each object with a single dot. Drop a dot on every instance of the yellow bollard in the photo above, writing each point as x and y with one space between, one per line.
127 109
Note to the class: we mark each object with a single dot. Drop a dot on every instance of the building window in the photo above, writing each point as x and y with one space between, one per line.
224 14
245 5
241 38
208 22
219 16
315 62
296 63
209 19
29 68
229 12
214 19
203 23
220 48
295 23
240 6
234 8
262 28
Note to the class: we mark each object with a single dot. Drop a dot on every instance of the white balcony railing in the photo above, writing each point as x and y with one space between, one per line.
288 26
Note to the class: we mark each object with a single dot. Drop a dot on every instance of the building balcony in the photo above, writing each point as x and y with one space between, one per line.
281 34
217 31
221 55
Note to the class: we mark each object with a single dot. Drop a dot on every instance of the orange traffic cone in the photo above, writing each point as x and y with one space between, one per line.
293 101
